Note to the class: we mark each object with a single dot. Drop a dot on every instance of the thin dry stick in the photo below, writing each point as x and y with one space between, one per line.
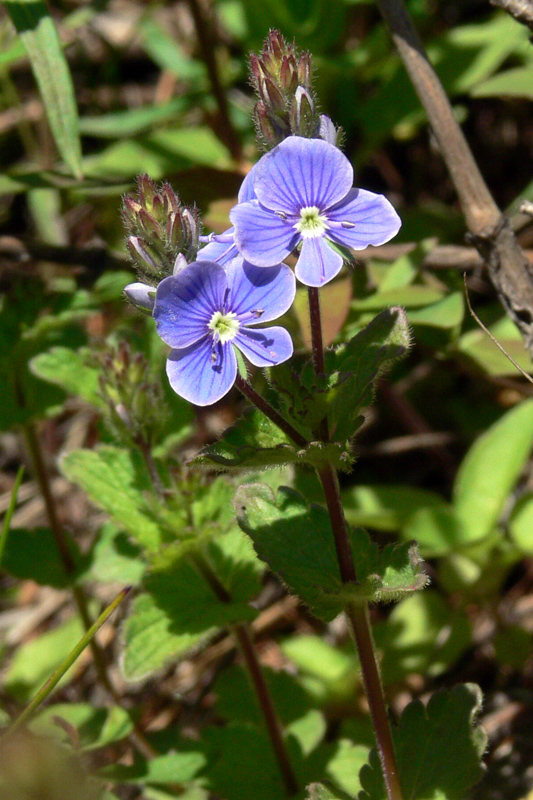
493 338
490 231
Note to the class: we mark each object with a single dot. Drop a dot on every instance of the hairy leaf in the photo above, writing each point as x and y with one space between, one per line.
297 543
438 748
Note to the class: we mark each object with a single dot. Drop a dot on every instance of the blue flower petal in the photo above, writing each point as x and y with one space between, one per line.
318 262
194 376
373 218
260 235
264 347
300 173
247 191
270 290
185 303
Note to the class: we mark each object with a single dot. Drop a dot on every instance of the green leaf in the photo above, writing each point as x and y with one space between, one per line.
34 662
180 610
116 481
447 313
490 470
438 749
95 727
32 554
319 791
422 635
476 345
169 768
170 56
520 524
114 558
297 543
517 82
359 364
36 28
132 122
386 508
150 642
347 389
69 369
407 296
254 441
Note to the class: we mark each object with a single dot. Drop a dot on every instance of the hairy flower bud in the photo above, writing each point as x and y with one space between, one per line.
159 228
281 77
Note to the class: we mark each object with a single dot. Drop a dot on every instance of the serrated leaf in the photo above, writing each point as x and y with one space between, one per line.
116 480
438 748
69 370
296 541
255 442
359 363
37 30
490 469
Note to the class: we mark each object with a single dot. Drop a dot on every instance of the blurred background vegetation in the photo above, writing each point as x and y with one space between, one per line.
444 457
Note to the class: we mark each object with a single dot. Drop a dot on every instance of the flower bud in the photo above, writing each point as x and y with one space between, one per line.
141 296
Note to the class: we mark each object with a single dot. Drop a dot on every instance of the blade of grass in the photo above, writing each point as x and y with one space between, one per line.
52 682
37 30
9 513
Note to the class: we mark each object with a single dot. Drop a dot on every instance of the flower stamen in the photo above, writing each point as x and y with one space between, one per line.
311 223
224 326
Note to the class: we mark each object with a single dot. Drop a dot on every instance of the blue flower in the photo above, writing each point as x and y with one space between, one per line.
304 196
206 311
221 247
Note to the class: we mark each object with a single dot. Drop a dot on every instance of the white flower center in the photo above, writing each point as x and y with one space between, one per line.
311 223
224 326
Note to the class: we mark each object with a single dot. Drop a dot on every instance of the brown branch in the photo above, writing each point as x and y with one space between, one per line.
490 231
521 10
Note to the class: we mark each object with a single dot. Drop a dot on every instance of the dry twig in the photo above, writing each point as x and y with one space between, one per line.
490 231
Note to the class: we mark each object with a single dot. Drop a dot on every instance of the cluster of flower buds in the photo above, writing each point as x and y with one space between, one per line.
163 236
134 401
287 106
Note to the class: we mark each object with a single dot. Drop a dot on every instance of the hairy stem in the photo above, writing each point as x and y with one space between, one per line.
358 615
492 234
270 412
246 644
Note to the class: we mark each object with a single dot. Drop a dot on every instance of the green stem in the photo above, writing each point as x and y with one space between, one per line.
251 659
9 513
74 654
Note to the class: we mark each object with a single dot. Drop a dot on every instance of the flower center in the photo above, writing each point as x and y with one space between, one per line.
224 326
311 223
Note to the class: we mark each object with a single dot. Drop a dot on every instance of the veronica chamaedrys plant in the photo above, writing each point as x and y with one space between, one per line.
206 311
305 198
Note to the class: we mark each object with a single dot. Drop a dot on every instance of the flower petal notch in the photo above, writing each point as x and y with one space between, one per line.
304 198
208 311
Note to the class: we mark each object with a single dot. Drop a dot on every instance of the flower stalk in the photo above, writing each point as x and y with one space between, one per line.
357 613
